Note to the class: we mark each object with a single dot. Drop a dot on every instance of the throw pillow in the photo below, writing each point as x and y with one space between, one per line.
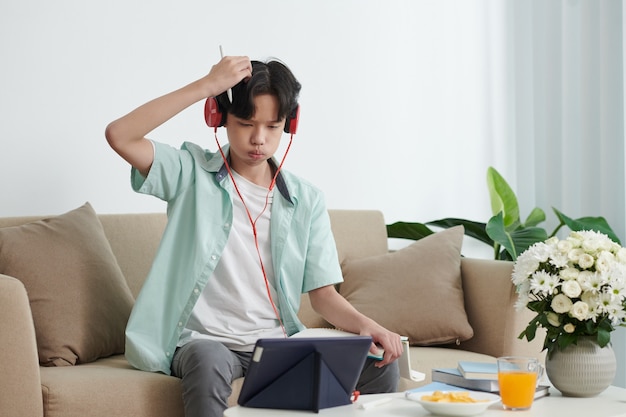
415 291
79 298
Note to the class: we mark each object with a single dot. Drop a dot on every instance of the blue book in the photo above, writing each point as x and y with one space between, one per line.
452 376
478 370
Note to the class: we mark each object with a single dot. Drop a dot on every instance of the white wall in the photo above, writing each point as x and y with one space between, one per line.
393 114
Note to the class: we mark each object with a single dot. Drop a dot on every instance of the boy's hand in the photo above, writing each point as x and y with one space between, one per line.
229 71
388 341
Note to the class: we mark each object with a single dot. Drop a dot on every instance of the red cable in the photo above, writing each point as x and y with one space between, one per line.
253 222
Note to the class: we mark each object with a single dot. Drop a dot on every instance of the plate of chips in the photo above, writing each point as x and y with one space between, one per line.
454 403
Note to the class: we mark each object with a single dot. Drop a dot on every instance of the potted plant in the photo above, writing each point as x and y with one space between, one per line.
504 231
577 287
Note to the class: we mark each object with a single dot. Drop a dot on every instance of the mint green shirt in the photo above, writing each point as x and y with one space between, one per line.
198 191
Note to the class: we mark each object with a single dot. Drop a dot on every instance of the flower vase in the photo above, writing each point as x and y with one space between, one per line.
582 370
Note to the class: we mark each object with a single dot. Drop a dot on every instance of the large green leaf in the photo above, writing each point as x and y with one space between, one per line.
503 199
514 242
407 230
535 217
598 224
473 229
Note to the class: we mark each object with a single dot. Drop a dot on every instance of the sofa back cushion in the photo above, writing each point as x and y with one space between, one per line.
416 292
134 239
79 298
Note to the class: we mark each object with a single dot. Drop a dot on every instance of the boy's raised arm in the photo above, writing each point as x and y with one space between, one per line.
127 135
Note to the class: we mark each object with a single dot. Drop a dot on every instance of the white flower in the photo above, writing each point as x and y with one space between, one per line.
561 303
559 260
576 239
621 255
586 261
574 254
569 328
617 279
616 314
571 288
523 269
543 283
593 301
579 310
553 319
523 295
605 302
591 242
604 261
541 251
569 273
564 246
590 281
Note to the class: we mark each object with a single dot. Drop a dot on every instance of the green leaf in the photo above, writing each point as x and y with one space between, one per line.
473 229
566 339
517 241
604 337
406 230
502 197
535 217
598 224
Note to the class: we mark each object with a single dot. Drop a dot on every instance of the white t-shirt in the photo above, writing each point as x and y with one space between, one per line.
234 307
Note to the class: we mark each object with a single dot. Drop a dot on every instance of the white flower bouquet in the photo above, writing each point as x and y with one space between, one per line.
577 287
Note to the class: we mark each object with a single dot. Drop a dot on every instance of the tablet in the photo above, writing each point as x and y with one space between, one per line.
304 373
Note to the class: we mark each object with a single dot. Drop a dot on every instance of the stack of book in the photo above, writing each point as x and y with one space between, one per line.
477 376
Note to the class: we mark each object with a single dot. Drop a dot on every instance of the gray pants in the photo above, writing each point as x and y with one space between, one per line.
207 369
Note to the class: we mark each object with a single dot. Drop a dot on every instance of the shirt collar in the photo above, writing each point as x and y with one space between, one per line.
216 164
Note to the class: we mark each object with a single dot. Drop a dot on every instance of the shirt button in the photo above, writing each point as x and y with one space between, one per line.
196 291
213 257
180 324
167 354
226 225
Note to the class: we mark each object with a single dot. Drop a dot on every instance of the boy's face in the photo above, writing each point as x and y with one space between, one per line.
253 141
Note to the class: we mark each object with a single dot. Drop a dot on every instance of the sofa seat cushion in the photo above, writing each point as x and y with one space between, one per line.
109 387
416 292
425 359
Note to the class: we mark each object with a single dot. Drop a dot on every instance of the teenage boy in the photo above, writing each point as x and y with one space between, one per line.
237 251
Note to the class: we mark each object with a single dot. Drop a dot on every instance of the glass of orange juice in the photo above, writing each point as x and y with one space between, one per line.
517 379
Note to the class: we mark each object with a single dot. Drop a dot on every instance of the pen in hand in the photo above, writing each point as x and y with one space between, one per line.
229 92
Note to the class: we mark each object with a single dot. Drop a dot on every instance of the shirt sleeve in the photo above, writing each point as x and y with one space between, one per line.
322 261
171 172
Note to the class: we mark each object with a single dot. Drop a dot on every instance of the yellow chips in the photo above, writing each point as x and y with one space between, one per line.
450 397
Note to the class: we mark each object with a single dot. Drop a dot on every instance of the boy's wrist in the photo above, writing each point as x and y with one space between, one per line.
203 89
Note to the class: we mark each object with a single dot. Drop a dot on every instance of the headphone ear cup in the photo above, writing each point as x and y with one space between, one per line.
213 114
291 122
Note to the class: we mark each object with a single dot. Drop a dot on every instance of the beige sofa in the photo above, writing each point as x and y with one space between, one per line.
110 387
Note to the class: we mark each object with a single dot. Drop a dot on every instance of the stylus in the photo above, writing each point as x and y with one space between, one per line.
375 403
229 91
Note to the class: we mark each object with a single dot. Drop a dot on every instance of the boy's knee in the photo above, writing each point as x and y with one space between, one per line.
375 380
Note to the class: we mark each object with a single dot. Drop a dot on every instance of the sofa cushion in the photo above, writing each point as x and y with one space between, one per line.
109 387
416 291
79 298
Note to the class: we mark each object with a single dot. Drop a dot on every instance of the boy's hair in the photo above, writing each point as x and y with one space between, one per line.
271 77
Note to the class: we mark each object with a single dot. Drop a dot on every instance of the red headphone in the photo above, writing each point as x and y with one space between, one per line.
215 117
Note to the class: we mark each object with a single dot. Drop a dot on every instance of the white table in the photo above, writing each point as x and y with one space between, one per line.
610 403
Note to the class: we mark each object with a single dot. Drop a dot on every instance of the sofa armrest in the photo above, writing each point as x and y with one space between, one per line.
490 304
20 383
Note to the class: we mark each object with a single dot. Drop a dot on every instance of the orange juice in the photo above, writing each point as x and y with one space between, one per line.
517 388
